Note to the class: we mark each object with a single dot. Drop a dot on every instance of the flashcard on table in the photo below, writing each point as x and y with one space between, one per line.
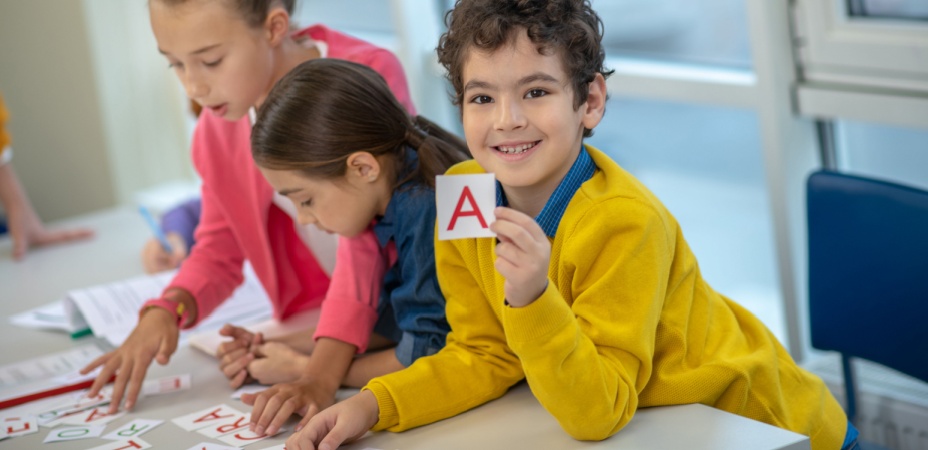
226 426
73 405
245 437
167 385
128 444
17 426
465 205
211 446
132 429
206 417
276 447
92 416
248 389
72 433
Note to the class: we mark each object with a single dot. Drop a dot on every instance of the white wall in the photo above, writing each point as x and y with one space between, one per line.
47 79
96 115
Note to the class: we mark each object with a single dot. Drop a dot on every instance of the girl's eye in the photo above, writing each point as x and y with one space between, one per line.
175 65
534 93
307 203
481 99
213 63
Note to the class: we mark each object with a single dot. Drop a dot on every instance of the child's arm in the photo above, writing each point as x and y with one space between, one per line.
587 357
345 323
312 393
25 226
475 366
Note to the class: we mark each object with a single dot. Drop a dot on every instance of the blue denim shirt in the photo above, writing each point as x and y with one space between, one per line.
411 294
550 216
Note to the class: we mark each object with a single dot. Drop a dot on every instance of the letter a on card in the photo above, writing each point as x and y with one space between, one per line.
465 205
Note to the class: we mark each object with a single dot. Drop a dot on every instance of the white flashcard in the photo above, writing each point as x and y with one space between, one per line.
73 433
248 389
226 426
94 416
132 429
128 444
206 417
245 437
73 405
17 426
167 385
211 446
465 205
276 447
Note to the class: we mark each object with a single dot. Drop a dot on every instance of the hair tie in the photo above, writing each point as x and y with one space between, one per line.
415 136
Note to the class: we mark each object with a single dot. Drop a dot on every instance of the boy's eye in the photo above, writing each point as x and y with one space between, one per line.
481 99
213 63
534 93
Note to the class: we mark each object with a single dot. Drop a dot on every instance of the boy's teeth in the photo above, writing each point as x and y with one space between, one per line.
517 149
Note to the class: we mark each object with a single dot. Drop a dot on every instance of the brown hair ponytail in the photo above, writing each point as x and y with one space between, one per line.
326 109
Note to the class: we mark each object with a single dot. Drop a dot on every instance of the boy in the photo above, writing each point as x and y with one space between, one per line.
598 301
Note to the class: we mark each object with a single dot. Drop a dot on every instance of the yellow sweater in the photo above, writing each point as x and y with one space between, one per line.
4 135
627 321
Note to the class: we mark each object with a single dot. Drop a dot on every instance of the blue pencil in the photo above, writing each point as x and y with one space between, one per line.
155 228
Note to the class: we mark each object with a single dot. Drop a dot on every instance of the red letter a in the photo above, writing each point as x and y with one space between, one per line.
465 194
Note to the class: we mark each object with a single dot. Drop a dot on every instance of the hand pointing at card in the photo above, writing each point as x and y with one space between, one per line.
522 256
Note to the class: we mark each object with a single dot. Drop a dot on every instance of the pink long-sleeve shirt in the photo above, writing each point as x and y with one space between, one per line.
239 221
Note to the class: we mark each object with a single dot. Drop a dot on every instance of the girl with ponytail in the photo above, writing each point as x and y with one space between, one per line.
333 139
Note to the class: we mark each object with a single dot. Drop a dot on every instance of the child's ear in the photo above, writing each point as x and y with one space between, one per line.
595 105
363 167
277 25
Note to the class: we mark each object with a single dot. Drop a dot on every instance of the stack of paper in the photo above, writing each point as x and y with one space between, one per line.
111 310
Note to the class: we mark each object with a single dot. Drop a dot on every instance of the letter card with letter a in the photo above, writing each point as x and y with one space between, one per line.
465 205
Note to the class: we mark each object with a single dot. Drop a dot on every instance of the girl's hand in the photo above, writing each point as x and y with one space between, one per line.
522 256
235 355
272 407
342 422
155 259
155 337
277 363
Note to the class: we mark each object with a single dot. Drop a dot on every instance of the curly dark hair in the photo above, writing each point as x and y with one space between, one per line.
567 27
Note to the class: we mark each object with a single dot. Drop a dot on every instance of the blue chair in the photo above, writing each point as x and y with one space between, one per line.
868 261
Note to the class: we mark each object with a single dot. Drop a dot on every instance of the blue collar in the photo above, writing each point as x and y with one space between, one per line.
550 216
384 226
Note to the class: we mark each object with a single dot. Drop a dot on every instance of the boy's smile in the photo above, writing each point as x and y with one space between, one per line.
519 119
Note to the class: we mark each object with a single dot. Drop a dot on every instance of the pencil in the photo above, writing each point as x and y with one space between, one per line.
155 228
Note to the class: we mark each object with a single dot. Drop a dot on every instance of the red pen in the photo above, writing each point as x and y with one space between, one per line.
49 393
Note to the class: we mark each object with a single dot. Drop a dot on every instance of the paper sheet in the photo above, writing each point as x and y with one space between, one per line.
111 310
44 370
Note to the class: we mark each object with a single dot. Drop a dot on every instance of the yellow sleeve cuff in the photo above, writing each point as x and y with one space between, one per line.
536 320
389 416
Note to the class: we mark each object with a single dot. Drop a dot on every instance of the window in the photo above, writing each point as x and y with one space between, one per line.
895 9
705 163
897 154
705 32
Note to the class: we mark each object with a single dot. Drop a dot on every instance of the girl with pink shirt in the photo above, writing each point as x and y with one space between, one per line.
228 54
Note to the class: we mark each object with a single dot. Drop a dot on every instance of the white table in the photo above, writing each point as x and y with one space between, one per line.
516 420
